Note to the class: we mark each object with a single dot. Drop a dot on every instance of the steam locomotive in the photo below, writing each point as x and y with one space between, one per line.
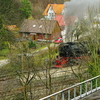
71 53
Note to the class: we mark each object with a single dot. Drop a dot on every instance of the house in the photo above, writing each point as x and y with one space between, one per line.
56 12
52 10
40 29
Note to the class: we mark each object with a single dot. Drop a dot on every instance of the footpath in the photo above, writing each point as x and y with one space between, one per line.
6 61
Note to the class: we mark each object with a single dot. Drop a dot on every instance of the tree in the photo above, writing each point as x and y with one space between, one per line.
6 36
11 15
14 11
91 41
25 8
79 28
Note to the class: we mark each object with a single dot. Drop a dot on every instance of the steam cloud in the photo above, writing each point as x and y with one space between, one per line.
79 7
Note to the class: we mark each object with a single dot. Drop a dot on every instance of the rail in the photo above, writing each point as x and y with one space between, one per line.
77 91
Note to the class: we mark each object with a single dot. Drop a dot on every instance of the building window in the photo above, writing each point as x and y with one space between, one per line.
51 15
25 35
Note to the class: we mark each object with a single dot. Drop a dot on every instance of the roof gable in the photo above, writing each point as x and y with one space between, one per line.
56 7
39 26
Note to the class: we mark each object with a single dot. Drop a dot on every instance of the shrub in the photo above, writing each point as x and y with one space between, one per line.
32 44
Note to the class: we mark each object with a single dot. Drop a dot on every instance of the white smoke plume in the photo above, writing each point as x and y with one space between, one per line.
79 7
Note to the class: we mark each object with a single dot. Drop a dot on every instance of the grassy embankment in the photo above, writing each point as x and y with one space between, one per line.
43 54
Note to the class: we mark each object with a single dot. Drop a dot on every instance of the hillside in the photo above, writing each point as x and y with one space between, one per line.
38 6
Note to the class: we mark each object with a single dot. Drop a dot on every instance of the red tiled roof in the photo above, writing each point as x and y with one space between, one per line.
60 20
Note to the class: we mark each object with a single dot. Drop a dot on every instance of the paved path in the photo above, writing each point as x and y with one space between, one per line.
4 62
38 51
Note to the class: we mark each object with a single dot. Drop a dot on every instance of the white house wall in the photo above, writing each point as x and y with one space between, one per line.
50 14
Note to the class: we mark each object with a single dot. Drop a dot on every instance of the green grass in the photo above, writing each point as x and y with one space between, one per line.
3 53
39 47
2 57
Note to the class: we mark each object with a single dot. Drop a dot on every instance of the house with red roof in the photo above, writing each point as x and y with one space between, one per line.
56 12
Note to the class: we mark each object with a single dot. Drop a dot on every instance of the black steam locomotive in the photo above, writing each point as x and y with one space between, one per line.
70 53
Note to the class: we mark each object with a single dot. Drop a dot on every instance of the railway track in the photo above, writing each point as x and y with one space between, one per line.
65 75
55 72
